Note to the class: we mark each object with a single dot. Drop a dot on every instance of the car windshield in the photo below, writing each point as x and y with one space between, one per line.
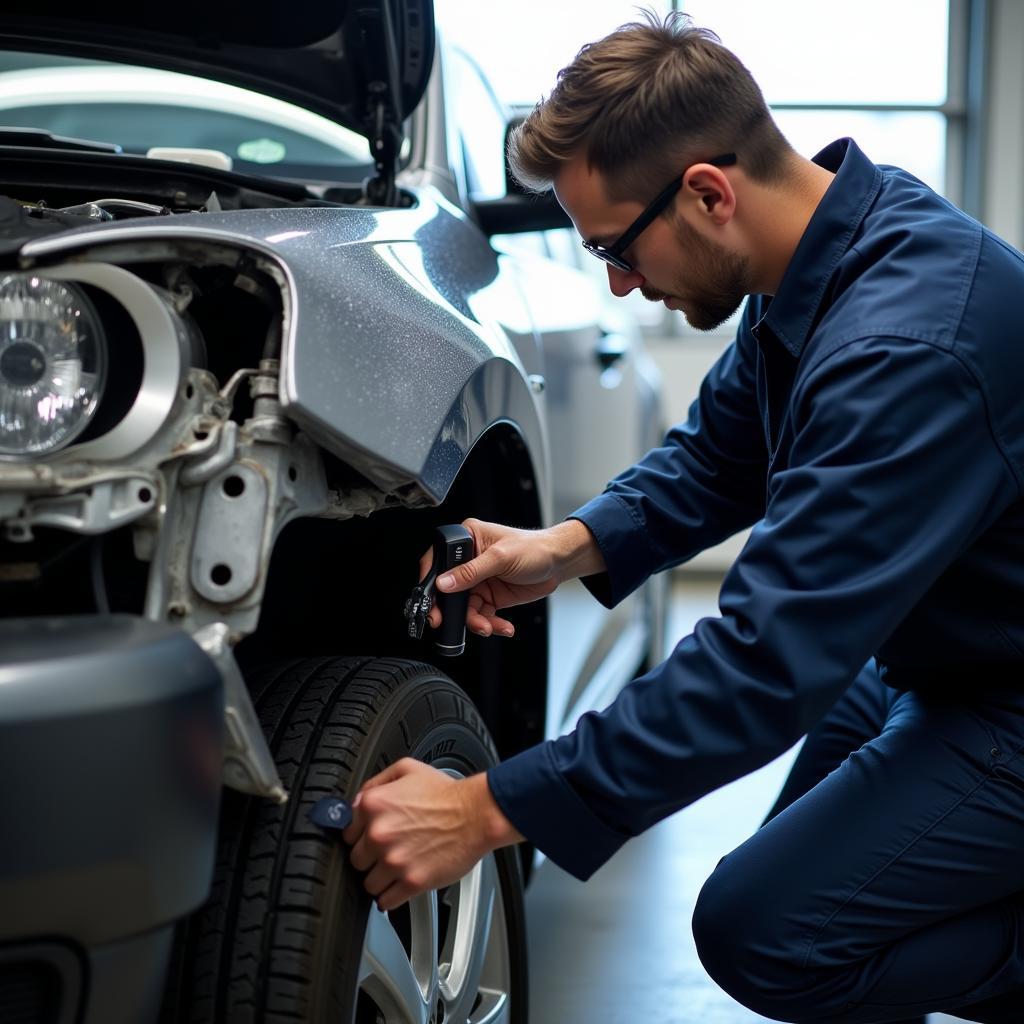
143 108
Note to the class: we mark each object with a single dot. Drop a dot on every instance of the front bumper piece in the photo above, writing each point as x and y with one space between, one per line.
111 743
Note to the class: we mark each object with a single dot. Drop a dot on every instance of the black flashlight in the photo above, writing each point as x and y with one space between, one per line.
453 545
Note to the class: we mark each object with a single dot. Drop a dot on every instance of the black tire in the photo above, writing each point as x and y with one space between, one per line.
281 938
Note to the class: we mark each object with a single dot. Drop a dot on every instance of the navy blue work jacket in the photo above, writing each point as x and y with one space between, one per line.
869 418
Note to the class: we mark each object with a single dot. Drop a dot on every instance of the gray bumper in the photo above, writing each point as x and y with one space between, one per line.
110 766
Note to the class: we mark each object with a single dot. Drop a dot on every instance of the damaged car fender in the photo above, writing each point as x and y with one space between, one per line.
398 346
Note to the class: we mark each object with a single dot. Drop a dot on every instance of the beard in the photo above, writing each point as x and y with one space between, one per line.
714 289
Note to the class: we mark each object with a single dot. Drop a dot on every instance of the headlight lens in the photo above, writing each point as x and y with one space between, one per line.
52 364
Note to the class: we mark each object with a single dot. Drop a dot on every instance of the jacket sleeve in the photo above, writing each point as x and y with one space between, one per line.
893 471
705 483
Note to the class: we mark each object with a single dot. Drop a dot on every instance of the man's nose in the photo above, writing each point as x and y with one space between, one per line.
622 282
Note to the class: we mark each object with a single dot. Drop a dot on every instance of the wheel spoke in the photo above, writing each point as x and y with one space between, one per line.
424 921
494 1008
387 976
469 935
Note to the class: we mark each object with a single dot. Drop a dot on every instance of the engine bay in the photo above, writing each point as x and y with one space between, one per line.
45 191
22 220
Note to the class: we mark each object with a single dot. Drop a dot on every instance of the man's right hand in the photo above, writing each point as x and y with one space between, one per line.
515 567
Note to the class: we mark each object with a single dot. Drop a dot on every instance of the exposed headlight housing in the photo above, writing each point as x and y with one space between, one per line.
52 364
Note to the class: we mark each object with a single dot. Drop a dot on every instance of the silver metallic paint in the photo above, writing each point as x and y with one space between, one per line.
393 357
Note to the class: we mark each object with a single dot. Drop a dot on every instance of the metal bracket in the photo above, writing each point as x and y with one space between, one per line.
248 764
226 563
91 505
219 455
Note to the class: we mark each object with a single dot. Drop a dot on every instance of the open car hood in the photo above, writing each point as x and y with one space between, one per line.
361 63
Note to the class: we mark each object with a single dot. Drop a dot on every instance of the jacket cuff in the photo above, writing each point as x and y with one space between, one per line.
623 542
535 796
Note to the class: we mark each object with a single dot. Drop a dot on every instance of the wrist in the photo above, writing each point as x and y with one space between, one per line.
574 551
497 830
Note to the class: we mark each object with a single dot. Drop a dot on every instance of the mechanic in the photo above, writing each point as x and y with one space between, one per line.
868 422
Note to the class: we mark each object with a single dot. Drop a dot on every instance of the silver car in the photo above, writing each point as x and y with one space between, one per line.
270 315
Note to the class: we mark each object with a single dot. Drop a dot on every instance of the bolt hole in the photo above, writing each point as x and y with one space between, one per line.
201 435
221 574
189 391
234 486
293 474
144 495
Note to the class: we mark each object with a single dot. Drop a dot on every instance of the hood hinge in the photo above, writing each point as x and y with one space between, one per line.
385 143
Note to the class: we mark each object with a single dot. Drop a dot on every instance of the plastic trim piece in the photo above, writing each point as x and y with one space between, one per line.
162 356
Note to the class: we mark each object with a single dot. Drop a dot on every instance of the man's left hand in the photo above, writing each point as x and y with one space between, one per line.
415 828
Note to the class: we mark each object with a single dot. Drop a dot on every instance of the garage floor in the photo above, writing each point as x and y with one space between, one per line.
618 949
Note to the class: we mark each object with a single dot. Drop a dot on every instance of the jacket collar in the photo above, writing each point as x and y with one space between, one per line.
794 310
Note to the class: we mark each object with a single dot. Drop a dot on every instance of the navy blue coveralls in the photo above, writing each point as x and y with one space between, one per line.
869 421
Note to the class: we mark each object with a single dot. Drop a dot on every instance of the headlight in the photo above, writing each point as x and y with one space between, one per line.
52 364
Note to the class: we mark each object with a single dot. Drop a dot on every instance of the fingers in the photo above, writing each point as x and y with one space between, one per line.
390 888
481 616
480 624
488 625
390 892
396 894
391 881
407 832
478 614
488 563
475 527
354 834
361 856
404 766
492 559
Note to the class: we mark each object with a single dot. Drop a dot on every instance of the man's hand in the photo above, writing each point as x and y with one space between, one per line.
415 828
515 567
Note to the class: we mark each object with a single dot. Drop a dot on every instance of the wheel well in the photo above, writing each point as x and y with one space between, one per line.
338 588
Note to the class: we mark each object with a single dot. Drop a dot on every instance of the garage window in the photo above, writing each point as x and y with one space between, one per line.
875 70
893 76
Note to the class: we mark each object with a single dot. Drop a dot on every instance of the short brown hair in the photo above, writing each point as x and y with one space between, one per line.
645 102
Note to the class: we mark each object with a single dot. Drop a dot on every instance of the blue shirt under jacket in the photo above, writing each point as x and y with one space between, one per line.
869 418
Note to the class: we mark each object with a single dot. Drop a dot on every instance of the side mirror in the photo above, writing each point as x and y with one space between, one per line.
513 214
518 210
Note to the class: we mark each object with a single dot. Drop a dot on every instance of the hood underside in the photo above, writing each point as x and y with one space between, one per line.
338 58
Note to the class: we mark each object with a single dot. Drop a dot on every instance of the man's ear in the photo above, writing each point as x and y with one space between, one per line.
712 190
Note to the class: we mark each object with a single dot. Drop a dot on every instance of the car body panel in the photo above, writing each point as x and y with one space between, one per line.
396 357
113 728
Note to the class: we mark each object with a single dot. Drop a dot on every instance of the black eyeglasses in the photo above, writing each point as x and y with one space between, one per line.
613 253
